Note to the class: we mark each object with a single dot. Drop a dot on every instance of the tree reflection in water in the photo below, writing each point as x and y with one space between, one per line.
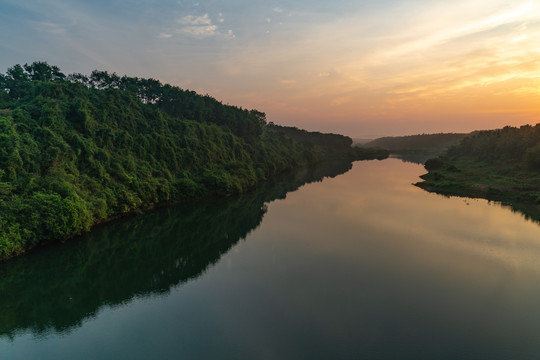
57 288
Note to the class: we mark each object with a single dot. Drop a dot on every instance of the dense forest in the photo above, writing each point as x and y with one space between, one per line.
499 164
430 143
76 150
106 267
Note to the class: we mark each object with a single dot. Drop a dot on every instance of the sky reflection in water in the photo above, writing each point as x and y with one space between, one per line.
362 265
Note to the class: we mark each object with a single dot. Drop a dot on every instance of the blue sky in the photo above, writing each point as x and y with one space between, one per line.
355 67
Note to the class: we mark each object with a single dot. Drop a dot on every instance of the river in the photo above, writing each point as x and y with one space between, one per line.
330 263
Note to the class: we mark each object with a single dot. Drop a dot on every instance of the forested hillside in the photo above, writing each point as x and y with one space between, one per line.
414 143
107 268
499 164
77 150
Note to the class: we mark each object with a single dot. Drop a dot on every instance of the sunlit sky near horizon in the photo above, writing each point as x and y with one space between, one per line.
361 68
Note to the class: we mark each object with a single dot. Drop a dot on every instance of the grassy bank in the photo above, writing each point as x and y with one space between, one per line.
501 165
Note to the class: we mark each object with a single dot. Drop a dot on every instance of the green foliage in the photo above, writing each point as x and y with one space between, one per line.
11 239
424 142
532 156
501 164
54 217
434 164
107 267
76 150
509 145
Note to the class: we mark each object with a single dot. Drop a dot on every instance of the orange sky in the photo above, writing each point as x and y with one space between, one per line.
449 67
361 68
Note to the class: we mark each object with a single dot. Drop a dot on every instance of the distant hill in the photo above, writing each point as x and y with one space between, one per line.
362 141
427 143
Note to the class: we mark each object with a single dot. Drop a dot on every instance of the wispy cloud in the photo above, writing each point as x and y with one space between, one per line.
195 20
200 31
438 36
202 26
397 58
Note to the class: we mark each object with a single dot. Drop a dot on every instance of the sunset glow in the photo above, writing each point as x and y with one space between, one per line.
355 67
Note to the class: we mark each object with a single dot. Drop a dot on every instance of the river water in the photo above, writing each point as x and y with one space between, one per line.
360 265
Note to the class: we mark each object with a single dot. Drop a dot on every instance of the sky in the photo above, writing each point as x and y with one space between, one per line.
361 68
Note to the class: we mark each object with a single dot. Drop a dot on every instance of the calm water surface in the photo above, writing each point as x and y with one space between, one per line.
361 265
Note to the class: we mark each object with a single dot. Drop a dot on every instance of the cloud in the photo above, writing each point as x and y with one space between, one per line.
440 36
195 20
202 26
278 9
200 31
164 36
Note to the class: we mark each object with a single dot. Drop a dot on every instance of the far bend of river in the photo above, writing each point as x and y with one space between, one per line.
361 265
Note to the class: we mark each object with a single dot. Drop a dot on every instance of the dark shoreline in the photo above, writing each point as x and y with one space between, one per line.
448 183
340 162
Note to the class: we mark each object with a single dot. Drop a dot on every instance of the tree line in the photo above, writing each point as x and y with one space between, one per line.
76 150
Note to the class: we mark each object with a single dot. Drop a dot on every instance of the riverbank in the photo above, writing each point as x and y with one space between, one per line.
309 172
349 246
519 190
501 165
79 150
474 179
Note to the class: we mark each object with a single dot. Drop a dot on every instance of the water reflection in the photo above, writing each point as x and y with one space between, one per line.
415 157
529 210
59 287
359 266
